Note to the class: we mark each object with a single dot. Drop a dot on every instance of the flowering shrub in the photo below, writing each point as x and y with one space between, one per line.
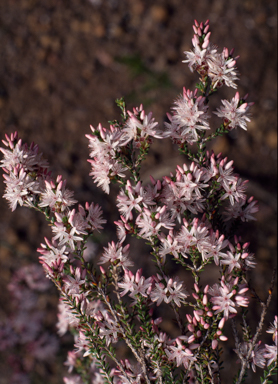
190 217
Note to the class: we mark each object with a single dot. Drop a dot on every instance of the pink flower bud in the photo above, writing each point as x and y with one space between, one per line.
205 43
244 255
196 315
245 245
205 32
191 339
223 338
221 323
214 344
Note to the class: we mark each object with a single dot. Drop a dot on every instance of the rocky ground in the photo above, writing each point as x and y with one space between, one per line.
62 66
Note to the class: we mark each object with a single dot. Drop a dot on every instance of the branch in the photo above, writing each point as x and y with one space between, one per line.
265 306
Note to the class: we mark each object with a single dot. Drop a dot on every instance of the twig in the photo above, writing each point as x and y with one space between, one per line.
265 306
139 358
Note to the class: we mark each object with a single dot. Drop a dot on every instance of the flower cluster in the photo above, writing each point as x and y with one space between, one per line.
188 218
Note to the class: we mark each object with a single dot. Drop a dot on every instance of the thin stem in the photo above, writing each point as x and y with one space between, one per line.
270 373
265 306
139 358
211 374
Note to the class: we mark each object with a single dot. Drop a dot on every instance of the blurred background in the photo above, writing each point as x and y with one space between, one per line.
62 66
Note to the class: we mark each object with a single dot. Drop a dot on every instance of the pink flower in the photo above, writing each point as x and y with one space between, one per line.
190 115
180 354
74 284
56 196
116 254
51 254
222 300
127 202
140 126
94 216
82 343
20 188
257 355
108 329
222 70
137 284
270 353
231 260
234 113
173 291
273 329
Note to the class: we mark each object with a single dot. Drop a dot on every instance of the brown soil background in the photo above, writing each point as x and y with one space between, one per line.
64 63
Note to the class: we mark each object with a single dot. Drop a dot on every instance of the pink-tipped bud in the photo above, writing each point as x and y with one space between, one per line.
196 316
206 31
206 289
223 338
231 64
157 216
138 275
245 245
214 344
196 297
127 227
152 180
221 323
226 53
243 290
205 44
158 320
191 339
